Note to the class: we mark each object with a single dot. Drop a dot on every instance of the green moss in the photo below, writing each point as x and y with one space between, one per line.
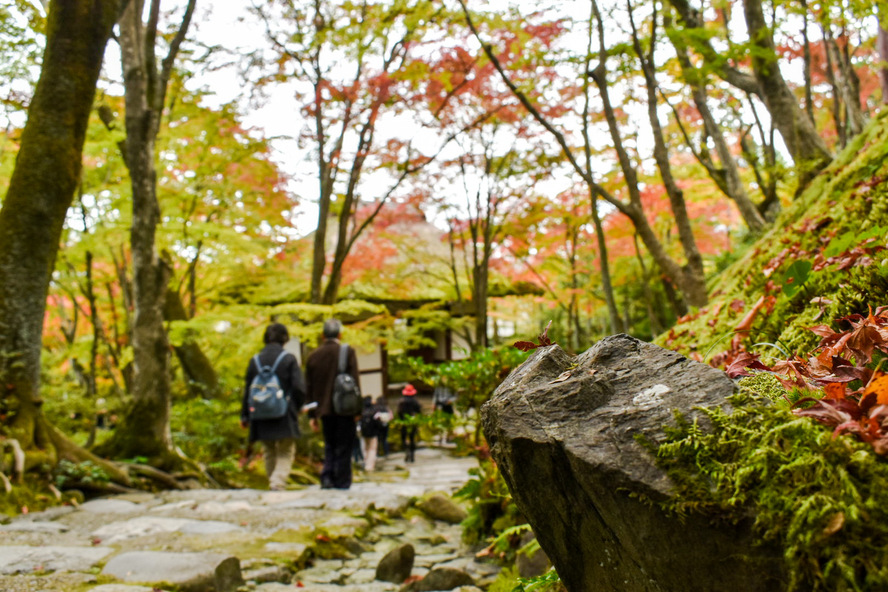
33 496
847 200
765 384
823 500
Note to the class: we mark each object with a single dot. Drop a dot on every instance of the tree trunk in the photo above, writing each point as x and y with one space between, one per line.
41 190
693 290
144 429
847 84
198 371
689 278
882 45
480 275
693 276
802 140
806 55
841 128
319 249
646 287
607 285
730 182
699 36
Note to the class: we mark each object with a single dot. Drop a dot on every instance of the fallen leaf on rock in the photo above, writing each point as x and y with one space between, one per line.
562 377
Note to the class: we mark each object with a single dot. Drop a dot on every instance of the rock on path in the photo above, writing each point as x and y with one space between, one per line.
227 540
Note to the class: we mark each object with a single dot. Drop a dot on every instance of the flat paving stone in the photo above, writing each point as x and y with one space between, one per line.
110 506
25 559
31 526
225 507
120 588
188 571
269 530
145 525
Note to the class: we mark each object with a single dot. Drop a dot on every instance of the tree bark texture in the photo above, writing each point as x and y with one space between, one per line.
847 85
802 140
42 187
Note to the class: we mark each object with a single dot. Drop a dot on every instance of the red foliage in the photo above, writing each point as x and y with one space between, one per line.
863 411
543 337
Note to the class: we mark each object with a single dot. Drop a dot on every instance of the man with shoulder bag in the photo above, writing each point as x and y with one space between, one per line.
332 378
273 396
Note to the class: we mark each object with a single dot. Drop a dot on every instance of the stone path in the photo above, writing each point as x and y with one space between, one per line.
226 540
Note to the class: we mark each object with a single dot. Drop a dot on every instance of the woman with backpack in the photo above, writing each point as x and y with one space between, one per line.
273 395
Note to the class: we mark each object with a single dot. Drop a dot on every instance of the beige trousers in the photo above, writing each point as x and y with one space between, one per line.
278 461
368 447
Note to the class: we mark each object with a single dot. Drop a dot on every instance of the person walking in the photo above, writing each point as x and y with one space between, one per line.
369 428
383 446
277 434
408 409
442 400
339 431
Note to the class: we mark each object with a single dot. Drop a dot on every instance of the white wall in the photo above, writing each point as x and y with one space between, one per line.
370 366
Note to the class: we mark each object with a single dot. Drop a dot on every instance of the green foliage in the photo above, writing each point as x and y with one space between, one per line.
821 499
491 509
548 582
472 379
68 473
767 385
795 277
209 431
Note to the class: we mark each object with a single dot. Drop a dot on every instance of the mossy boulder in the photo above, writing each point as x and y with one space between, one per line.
440 507
573 437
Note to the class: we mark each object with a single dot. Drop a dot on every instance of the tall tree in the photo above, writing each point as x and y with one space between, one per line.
882 45
40 192
594 194
726 173
693 279
144 429
688 278
807 148
347 105
494 185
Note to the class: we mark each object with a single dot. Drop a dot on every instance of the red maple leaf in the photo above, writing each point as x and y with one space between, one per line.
743 361
526 346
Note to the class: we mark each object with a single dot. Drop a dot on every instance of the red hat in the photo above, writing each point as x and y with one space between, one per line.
408 391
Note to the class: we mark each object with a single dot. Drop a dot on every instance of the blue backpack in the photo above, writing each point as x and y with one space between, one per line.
267 399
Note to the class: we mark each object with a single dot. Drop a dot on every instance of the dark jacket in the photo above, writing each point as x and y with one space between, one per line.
290 376
320 372
408 406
